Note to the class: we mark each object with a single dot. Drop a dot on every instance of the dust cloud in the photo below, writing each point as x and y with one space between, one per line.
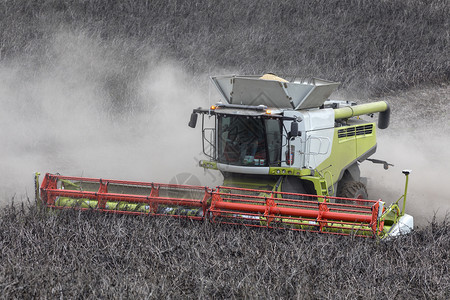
85 107
418 139
80 110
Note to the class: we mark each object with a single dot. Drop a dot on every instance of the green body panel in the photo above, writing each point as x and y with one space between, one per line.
289 171
208 164
364 143
320 185
345 151
264 182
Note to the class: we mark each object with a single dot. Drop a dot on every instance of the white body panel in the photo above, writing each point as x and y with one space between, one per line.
314 145
243 169
405 225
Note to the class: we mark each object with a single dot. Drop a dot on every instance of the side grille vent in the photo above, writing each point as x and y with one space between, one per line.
356 130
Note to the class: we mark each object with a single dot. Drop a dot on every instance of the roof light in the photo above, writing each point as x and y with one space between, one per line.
268 111
213 107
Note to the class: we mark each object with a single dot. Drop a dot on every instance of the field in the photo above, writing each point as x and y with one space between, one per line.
74 255
102 89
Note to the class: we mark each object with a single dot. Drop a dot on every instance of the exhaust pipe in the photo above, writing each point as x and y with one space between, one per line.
363 109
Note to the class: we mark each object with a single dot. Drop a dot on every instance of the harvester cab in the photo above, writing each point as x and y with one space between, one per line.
289 157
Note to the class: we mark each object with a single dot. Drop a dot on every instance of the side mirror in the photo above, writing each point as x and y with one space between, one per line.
294 129
193 120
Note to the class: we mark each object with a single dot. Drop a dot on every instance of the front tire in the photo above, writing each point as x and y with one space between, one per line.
353 189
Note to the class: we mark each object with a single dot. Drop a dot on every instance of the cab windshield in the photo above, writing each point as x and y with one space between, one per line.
249 141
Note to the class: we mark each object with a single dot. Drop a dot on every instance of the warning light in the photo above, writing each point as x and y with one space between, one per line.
213 107
268 111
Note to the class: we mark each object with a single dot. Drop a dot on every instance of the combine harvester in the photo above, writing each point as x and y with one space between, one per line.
289 157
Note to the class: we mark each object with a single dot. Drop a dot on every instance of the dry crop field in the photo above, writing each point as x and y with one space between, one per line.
87 255
73 71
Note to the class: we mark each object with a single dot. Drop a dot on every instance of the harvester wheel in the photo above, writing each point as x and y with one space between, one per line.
353 189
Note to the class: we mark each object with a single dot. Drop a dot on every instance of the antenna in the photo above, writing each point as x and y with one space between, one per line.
406 172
